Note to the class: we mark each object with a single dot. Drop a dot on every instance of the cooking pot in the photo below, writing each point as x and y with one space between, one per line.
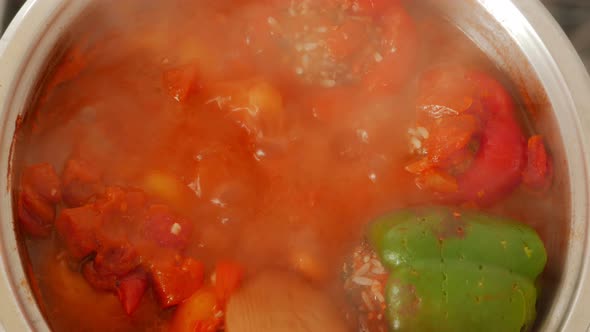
518 35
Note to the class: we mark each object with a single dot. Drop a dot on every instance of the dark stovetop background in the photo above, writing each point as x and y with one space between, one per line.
574 18
572 15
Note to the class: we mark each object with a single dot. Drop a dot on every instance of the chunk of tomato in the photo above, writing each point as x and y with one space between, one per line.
175 279
79 228
130 290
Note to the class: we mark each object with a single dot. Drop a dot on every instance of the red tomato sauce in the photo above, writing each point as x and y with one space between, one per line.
178 147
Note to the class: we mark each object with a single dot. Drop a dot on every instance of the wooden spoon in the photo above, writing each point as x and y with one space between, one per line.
281 302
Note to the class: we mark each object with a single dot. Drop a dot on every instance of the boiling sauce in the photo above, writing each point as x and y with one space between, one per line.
277 133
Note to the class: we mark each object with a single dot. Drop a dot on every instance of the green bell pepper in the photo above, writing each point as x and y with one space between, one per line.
458 271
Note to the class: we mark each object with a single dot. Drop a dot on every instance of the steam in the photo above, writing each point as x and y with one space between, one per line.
338 163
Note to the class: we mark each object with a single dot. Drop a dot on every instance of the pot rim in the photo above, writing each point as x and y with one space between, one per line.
27 31
564 63
554 57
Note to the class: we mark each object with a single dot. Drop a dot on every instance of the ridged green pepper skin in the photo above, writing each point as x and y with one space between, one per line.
458 271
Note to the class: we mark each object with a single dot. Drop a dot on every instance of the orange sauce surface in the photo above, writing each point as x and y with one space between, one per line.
231 114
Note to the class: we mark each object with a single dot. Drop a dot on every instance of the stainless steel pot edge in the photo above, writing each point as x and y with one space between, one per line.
566 67
17 313
564 77
23 49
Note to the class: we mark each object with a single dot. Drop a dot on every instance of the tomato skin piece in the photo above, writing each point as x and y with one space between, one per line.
228 277
130 290
538 172
175 280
